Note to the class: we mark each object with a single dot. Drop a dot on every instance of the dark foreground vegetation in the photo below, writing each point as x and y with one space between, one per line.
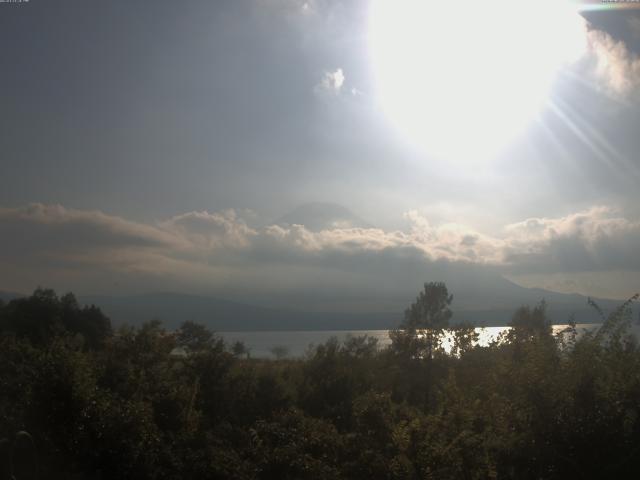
127 404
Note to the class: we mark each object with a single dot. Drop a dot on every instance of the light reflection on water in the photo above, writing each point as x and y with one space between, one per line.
297 343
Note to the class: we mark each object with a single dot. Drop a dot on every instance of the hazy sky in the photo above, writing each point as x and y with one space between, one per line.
154 146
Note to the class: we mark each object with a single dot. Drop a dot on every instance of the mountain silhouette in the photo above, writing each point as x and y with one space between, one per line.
476 300
224 315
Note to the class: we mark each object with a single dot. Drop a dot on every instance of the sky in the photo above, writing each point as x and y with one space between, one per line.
316 150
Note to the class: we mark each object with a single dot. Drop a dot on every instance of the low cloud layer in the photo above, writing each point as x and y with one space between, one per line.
38 228
594 240
209 251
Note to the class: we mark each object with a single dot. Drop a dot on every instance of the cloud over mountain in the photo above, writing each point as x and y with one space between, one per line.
221 248
594 240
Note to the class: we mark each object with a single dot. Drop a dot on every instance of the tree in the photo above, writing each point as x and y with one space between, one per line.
89 321
194 337
528 323
424 322
239 349
279 351
464 339
44 315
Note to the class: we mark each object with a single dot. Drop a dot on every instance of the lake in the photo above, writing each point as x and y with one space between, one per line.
297 343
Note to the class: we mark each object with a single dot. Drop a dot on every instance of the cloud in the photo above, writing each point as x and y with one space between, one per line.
80 249
597 239
594 240
38 227
613 66
211 230
331 82
214 249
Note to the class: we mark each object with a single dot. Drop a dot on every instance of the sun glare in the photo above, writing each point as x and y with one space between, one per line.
462 78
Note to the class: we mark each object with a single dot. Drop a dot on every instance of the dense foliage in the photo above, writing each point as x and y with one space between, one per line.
147 403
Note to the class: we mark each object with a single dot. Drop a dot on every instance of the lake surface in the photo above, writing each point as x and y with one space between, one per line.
297 343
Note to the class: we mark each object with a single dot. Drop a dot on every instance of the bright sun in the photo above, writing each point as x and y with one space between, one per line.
461 78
